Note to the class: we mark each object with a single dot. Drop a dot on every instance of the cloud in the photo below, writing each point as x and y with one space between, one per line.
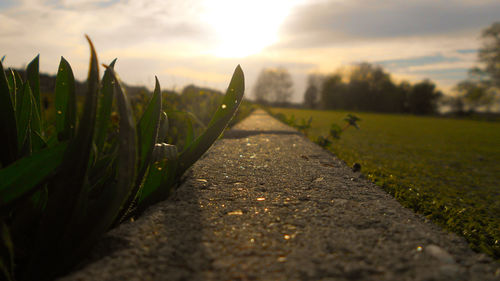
172 39
323 23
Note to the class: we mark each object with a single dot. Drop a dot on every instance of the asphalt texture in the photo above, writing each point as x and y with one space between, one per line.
265 203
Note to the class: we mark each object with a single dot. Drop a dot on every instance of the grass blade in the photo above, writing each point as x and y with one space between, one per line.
32 72
148 129
147 135
67 188
217 124
8 127
19 81
37 141
65 102
11 81
25 175
23 114
127 156
104 109
106 210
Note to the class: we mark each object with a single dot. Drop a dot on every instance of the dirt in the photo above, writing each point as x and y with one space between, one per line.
265 203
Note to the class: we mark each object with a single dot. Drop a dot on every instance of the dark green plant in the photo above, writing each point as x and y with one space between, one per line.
335 130
59 192
303 126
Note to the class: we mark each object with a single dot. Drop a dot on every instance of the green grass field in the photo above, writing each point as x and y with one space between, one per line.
446 169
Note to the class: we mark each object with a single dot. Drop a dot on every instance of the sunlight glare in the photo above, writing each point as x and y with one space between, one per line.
246 27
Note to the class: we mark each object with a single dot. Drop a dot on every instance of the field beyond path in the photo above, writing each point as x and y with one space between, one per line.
265 203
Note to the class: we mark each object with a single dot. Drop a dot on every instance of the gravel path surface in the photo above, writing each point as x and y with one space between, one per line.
265 203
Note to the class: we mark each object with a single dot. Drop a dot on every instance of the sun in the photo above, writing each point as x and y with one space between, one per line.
245 27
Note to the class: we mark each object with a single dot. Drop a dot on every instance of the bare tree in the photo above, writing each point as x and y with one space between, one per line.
274 85
481 88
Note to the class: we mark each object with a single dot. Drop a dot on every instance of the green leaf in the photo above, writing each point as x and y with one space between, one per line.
23 114
148 129
32 72
8 127
104 109
11 80
217 124
147 135
68 187
19 81
37 141
65 102
127 156
111 202
6 253
24 176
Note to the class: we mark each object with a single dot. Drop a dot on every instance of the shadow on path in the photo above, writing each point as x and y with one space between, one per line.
239 134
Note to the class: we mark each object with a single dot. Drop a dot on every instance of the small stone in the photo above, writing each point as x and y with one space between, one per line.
356 167
440 254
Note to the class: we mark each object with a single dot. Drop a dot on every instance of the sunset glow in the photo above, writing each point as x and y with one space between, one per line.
243 27
201 41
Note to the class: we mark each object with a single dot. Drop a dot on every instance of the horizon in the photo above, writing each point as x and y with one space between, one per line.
200 42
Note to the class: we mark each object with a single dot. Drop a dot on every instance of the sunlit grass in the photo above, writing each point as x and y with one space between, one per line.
446 169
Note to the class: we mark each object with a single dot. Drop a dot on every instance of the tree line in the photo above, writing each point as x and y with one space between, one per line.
368 87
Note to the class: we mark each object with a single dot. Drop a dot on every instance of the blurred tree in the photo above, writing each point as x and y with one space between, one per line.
481 88
371 89
274 85
489 54
423 98
311 96
475 94
333 92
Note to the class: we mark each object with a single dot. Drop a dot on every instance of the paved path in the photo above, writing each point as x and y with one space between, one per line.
267 204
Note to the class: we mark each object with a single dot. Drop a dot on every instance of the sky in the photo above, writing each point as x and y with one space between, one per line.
201 41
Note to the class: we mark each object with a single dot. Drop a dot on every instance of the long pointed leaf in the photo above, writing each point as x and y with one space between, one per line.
19 81
127 156
8 127
25 175
32 72
219 121
104 109
65 101
23 114
147 135
148 129
37 141
116 195
68 186
11 80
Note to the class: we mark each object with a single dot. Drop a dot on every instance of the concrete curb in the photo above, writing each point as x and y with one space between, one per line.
265 203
